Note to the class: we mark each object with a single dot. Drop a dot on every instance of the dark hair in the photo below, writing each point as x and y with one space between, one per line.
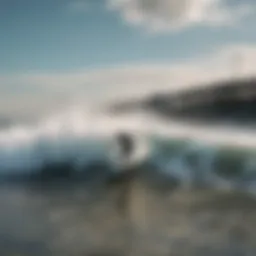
125 142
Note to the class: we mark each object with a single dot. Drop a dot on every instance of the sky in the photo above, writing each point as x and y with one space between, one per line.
59 52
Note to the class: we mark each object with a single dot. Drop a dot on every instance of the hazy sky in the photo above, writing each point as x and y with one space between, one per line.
92 50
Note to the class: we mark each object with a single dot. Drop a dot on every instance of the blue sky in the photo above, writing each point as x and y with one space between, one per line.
53 35
43 40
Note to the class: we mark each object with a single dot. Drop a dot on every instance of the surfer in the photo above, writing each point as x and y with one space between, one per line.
127 179
124 148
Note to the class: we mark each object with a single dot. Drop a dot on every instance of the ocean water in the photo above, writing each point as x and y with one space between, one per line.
194 197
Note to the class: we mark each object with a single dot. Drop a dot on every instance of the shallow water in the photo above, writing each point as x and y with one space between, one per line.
74 219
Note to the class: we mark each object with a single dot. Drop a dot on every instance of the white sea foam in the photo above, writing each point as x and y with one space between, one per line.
86 135
76 133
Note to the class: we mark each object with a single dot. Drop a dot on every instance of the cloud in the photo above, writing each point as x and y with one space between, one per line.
162 15
42 92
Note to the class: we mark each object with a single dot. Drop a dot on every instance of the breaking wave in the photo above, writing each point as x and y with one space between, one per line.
82 137
74 134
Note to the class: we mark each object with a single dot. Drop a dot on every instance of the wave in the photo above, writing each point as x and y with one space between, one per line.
79 138
195 164
76 135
